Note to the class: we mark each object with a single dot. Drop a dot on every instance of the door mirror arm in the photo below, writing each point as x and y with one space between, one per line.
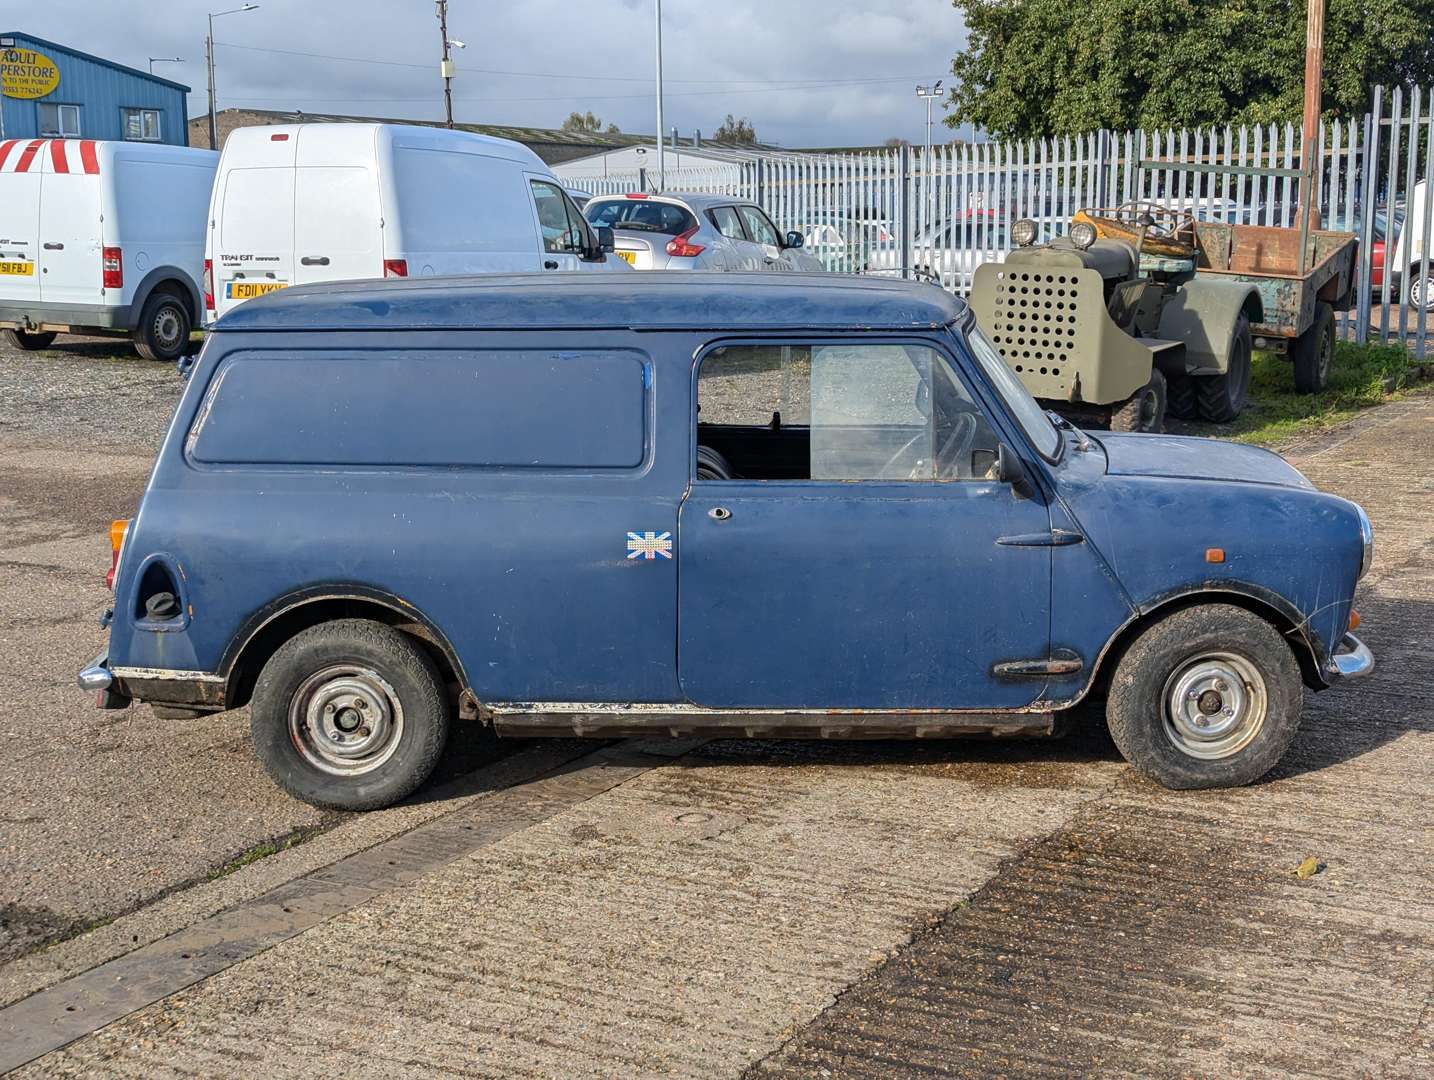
1009 469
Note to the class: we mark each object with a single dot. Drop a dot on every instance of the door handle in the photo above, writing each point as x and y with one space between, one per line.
54 247
315 260
550 264
719 513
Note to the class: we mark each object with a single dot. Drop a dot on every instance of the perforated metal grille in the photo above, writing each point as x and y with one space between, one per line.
1035 322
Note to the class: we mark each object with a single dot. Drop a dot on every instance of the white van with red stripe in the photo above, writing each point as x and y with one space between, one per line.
102 236
301 203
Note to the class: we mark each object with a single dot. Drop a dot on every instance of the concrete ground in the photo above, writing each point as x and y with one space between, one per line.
797 909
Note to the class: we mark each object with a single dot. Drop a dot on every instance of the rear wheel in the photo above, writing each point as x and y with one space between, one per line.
1421 288
1221 398
1313 352
1145 410
349 715
1209 696
164 326
1180 397
22 339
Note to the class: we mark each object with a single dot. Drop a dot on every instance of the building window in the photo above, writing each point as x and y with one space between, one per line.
58 121
141 125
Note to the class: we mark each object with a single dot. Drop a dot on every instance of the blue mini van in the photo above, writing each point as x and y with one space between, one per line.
699 504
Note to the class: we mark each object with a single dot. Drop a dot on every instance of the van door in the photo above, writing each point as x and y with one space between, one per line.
253 246
71 270
338 231
19 232
561 228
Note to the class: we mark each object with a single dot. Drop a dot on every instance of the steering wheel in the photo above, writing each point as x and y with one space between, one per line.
1159 221
962 435
957 445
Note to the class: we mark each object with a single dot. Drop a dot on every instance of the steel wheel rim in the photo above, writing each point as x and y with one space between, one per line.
1421 293
1326 356
345 720
1214 705
1149 409
166 327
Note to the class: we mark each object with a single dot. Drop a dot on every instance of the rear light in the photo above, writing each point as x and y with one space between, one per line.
118 531
680 247
395 268
113 266
281 137
208 284
636 195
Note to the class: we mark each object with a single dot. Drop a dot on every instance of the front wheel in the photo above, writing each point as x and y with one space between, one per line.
1144 410
22 339
349 715
1209 696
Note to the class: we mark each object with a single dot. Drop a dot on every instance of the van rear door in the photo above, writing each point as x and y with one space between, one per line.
338 226
71 260
19 227
252 242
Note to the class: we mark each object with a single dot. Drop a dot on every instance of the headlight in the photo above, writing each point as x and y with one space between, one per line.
1023 232
1082 234
1366 534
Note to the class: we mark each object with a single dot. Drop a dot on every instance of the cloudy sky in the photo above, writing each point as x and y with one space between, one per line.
807 72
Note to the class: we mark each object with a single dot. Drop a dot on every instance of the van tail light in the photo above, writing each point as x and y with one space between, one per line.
113 265
395 268
118 530
208 284
680 246
636 195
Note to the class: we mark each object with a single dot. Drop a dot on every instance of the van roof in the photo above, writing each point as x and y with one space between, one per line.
360 140
644 300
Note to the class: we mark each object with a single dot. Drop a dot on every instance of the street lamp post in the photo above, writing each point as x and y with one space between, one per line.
661 157
164 60
930 93
209 57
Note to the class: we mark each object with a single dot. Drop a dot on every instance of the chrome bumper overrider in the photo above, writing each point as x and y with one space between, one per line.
1351 658
97 676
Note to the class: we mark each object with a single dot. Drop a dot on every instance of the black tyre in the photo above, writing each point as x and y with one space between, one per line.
1144 410
21 339
1221 398
349 715
1209 696
164 326
1180 397
1313 352
1421 288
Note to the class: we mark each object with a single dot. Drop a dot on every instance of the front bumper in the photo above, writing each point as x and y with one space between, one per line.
1351 660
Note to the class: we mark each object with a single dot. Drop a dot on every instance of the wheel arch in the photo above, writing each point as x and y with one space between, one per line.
1304 644
267 629
180 283
1204 314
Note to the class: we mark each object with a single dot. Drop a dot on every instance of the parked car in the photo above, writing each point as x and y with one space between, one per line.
821 505
687 231
300 203
948 252
98 237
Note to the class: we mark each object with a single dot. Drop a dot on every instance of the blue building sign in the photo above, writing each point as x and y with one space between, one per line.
50 91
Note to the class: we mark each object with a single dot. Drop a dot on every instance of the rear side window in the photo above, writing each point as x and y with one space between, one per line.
521 409
727 222
642 215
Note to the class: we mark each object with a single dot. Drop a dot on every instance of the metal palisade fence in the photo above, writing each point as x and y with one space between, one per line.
902 211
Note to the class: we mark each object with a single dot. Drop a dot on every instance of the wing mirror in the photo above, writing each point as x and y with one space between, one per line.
600 239
604 238
794 240
1008 466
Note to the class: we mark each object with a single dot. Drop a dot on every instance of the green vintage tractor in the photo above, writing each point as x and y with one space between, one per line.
1109 324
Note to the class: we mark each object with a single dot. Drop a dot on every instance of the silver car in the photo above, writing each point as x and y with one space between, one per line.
687 231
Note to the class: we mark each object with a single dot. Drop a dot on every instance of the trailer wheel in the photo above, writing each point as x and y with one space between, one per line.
20 339
1313 352
164 325
1180 397
1144 410
1208 696
1221 398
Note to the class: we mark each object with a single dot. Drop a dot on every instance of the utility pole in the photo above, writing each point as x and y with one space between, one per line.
661 155
445 67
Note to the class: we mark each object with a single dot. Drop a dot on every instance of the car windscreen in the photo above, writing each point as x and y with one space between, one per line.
1032 418
641 215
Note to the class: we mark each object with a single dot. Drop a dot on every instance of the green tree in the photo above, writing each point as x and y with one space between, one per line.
736 131
1047 67
587 122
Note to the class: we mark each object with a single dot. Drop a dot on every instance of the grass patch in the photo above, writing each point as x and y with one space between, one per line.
1363 376
262 851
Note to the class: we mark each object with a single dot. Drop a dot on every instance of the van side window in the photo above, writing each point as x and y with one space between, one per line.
857 411
562 225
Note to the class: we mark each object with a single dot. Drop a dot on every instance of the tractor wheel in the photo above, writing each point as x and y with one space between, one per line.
1221 398
1144 410
1180 397
1313 352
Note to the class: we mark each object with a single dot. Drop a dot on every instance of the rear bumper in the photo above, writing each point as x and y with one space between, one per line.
96 675
118 686
1351 660
38 317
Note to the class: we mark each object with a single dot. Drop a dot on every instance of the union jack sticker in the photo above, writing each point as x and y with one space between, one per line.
649 545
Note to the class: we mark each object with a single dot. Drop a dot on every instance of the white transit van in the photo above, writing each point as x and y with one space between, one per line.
301 203
102 236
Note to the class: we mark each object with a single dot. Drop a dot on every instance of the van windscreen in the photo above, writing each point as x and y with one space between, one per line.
641 215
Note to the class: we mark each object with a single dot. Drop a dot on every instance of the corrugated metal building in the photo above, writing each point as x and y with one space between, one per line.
53 91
